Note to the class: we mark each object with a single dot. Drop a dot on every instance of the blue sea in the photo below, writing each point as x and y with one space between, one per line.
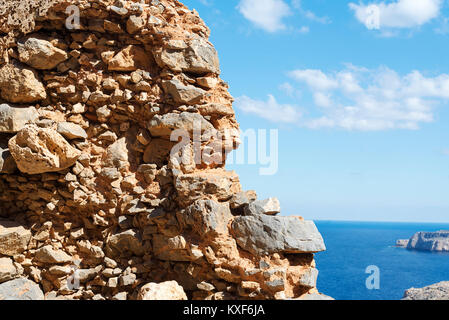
353 246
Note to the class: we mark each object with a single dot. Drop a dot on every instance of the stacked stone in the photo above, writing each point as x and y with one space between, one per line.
90 190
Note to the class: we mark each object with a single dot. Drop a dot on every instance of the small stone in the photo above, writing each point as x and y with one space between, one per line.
243 198
169 290
14 119
134 24
127 280
71 130
40 54
14 238
49 255
129 59
205 286
7 270
183 94
269 206
120 296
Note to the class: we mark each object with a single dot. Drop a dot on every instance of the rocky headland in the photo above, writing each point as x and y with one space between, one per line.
427 241
95 203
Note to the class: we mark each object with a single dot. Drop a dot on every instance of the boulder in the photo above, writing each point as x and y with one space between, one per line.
438 291
7 270
183 94
14 238
207 217
20 289
242 199
264 235
39 150
269 206
40 54
71 130
169 290
171 248
128 242
13 119
19 84
163 126
402 243
198 57
217 184
429 241
130 58
49 255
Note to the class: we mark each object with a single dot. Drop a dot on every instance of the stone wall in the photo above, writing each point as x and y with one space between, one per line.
89 178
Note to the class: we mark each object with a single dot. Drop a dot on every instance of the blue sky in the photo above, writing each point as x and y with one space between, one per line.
359 92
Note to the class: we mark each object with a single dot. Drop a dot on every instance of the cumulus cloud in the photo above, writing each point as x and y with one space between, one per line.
265 14
379 99
270 110
397 14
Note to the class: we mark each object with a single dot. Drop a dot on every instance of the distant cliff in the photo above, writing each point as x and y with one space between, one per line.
427 241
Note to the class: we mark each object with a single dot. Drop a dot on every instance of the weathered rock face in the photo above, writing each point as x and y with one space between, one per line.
429 241
438 291
113 141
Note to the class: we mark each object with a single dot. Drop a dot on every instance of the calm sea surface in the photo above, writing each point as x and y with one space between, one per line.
353 246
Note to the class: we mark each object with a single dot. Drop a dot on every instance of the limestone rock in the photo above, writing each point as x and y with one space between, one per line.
429 241
242 199
49 255
40 54
207 217
183 94
218 184
129 59
20 85
263 234
438 291
197 57
13 119
269 206
402 243
129 241
163 126
14 238
117 154
39 150
7 270
71 130
20 289
169 290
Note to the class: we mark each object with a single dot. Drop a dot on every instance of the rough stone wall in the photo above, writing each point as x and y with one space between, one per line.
87 177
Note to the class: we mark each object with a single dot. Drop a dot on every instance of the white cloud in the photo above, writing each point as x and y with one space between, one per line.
265 14
379 99
270 110
297 4
397 14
